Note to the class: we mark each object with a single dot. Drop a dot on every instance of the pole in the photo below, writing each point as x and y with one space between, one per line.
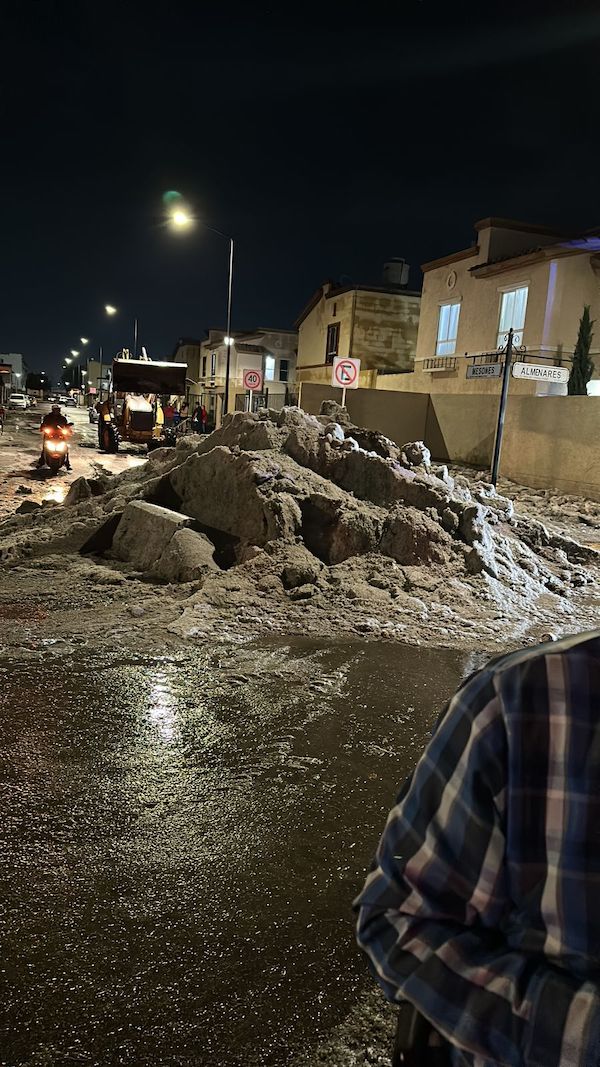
228 335
344 396
299 394
502 408
135 338
100 382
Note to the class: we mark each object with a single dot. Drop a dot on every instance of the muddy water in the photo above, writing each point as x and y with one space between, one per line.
181 842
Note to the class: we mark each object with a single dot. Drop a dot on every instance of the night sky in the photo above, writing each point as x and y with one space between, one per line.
325 138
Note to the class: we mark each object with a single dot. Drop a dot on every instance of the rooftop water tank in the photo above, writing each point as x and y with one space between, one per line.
395 272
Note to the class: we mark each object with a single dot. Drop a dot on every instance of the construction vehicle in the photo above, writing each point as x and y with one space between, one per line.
130 412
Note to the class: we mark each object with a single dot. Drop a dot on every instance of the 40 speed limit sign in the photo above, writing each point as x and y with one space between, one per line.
253 380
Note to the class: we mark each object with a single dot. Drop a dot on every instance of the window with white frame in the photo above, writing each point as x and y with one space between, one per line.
269 368
447 329
283 370
513 305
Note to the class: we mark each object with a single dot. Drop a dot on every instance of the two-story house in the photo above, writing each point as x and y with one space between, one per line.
375 323
531 278
270 351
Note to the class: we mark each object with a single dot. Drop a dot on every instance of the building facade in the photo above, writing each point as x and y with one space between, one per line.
14 379
272 352
517 275
376 324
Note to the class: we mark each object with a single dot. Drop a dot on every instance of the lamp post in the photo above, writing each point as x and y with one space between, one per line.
182 220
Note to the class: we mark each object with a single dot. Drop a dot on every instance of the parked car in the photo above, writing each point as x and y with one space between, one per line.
67 401
18 401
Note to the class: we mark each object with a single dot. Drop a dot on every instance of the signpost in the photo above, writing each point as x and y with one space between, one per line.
345 373
484 370
253 381
541 372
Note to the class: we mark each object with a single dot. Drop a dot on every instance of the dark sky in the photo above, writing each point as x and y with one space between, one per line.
325 138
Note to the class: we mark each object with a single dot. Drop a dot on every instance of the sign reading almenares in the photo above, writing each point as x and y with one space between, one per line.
540 372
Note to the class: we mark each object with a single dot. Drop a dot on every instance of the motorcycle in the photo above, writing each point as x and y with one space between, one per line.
55 449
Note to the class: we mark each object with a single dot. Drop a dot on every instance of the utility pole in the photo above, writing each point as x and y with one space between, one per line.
228 337
502 409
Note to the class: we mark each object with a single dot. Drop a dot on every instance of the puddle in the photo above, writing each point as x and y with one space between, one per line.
182 842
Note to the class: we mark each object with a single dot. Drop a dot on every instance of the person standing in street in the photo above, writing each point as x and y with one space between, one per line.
482 907
203 419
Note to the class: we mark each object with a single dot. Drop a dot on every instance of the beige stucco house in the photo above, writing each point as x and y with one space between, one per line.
270 351
377 324
531 278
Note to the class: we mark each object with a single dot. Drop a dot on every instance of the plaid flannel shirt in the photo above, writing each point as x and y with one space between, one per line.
482 907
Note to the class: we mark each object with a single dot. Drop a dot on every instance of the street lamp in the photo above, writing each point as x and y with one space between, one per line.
110 309
181 220
84 340
74 353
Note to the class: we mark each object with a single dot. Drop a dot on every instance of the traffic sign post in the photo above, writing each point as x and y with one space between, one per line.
253 381
345 374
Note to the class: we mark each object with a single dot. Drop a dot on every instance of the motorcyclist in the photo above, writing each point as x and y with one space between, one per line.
55 419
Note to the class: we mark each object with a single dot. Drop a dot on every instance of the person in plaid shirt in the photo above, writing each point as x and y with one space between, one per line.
482 907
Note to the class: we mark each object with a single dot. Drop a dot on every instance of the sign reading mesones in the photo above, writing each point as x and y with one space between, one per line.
484 370
540 372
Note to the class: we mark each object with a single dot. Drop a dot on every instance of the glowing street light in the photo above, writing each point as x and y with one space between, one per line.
74 353
110 310
84 340
180 220
67 360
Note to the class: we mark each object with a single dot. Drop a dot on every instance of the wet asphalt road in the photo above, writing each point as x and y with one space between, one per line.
20 450
181 843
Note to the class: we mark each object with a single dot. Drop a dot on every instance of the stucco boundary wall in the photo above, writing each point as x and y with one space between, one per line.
401 416
549 442
553 442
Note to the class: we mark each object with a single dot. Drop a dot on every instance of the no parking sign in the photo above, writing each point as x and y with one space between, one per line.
345 372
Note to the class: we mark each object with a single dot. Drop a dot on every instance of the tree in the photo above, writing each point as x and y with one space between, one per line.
582 367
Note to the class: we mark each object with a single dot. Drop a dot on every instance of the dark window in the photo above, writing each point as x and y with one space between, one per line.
334 310
204 366
283 370
333 340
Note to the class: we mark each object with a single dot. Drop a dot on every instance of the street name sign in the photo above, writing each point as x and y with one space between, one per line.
345 372
484 370
541 372
253 380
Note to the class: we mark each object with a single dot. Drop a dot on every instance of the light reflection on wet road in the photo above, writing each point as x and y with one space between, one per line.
20 449
182 842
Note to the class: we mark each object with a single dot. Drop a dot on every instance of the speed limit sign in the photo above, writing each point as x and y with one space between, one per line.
253 380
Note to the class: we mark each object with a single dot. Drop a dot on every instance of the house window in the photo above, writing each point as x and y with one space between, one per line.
333 341
269 368
283 370
513 306
447 329
204 366
213 364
